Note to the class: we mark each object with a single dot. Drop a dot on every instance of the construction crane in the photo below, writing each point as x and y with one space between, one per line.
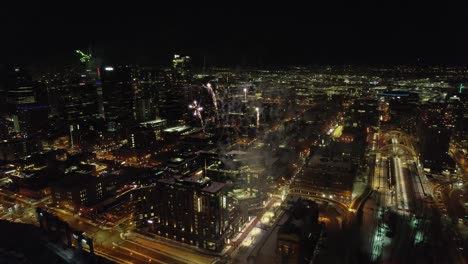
84 58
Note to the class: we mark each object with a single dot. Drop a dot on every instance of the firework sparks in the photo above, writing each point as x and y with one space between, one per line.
197 109
213 96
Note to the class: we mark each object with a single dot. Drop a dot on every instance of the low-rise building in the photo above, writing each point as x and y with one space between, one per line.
298 237
77 192
327 174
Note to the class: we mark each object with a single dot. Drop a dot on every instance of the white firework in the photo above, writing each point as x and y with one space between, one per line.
213 96
197 109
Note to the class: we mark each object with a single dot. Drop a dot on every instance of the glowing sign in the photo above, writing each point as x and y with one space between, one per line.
108 68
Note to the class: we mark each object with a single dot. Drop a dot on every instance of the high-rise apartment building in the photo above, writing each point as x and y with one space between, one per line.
192 210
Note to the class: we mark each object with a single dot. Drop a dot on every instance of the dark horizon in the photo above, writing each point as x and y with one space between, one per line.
394 34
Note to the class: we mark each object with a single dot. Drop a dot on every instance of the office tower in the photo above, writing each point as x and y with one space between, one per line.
20 102
78 100
177 90
119 95
434 133
150 83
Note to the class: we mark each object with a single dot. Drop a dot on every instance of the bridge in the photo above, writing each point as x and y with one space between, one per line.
349 211
404 147
341 207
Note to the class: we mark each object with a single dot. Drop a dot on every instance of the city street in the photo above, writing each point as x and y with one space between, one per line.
110 242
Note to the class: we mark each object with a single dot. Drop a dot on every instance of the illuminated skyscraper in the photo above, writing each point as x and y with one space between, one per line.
78 100
149 88
119 95
20 101
177 90
23 114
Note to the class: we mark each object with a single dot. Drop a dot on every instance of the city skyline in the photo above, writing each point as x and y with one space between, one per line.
236 134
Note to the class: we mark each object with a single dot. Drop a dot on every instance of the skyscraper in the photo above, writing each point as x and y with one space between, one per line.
20 101
119 95
78 100
177 90
23 114
434 133
150 85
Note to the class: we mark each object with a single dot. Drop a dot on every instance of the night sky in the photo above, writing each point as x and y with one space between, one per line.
237 34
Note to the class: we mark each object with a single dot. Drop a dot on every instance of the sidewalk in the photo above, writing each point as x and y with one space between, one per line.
248 229
264 239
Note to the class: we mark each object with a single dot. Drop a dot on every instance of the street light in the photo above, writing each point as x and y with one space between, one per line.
245 94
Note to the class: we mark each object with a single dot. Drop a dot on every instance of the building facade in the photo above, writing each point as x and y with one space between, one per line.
192 210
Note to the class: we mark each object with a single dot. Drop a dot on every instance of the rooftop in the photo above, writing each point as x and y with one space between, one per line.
195 179
153 122
72 181
170 180
213 187
176 129
203 183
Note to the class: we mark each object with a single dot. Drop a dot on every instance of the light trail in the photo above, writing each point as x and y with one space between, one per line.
213 96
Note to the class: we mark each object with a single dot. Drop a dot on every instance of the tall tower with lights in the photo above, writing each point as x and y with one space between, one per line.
176 96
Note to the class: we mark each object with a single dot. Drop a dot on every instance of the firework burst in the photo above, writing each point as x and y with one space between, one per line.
197 109
213 96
